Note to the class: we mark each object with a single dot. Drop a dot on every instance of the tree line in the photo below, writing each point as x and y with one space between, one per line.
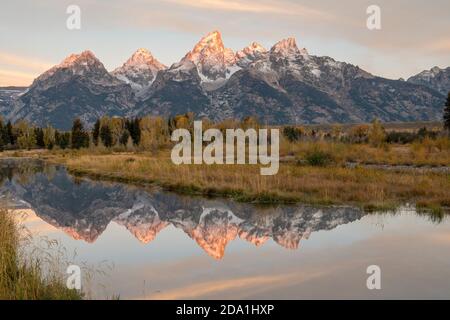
145 133
152 132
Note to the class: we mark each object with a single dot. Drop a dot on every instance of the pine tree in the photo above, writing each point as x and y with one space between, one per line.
11 136
133 127
137 128
96 131
2 135
64 140
80 138
106 136
124 137
39 134
447 114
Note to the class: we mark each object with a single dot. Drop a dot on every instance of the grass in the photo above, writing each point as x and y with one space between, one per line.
313 172
24 276
371 188
425 153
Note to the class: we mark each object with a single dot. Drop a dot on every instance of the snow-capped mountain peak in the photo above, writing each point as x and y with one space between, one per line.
208 45
79 86
436 78
84 64
428 74
75 64
143 57
139 70
84 57
253 48
287 48
250 54
212 59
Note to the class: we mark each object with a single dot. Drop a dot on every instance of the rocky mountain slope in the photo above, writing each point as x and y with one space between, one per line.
8 95
286 85
139 71
282 85
78 87
436 78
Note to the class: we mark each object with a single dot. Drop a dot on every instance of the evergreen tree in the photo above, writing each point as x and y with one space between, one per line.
106 136
96 131
2 135
124 137
11 136
39 134
57 137
137 129
80 138
133 127
62 140
447 114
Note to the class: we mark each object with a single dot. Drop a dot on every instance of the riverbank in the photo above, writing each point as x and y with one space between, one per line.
369 188
21 276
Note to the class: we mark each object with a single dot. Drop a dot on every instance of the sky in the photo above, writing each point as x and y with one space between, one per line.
414 34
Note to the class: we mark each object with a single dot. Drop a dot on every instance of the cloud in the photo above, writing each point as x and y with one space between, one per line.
204 289
237 286
440 46
20 70
16 78
24 62
271 7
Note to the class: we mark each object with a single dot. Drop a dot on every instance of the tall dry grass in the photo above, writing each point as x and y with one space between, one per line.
326 185
24 276
432 152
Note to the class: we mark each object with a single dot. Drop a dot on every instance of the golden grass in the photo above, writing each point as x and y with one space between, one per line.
333 184
21 276
427 152
293 183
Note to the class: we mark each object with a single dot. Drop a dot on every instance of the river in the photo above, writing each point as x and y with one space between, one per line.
152 244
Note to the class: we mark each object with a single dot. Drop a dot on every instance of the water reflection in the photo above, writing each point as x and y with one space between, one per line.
83 209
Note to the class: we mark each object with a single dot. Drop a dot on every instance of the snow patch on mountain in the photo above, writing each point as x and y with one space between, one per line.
213 61
139 71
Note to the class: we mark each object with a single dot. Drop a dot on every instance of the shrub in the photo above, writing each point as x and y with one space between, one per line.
319 158
292 134
401 137
376 134
359 134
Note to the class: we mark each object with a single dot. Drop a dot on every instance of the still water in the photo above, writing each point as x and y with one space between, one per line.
153 244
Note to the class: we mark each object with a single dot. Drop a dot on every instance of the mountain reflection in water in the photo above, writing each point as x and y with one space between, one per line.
83 209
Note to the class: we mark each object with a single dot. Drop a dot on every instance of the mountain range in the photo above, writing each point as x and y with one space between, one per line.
282 85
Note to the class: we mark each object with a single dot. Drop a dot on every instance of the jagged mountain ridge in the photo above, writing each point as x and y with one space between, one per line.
283 85
287 85
7 97
437 79
79 86
139 71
